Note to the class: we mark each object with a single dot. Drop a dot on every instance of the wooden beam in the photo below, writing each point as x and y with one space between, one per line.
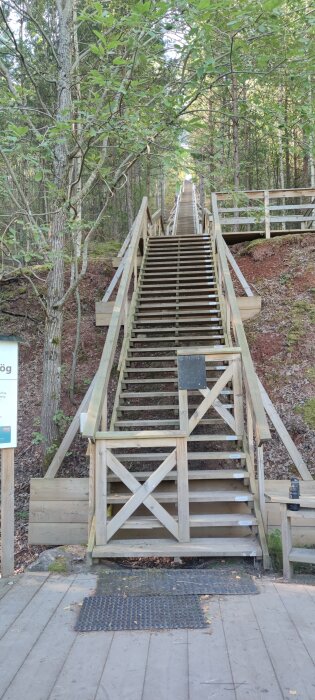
238 272
284 435
70 435
105 366
261 425
7 512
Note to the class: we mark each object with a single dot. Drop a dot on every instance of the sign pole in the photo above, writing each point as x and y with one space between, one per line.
8 441
7 512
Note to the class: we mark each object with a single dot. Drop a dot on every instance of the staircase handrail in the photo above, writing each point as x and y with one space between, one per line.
140 229
261 424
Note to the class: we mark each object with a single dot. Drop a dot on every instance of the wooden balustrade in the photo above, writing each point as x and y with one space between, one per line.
143 227
268 216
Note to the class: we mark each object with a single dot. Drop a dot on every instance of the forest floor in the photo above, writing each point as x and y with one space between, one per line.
281 339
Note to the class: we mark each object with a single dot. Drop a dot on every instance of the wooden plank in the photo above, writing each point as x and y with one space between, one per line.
290 660
80 676
210 396
101 463
197 547
143 435
65 489
210 351
302 555
59 512
182 490
17 643
36 677
194 456
103 374
210 674
261 425
194 475
183 410
273 194
166 672
125 667
238 272
286 543
204 495
300 607
284 435
251 667
7 511
195 521
58 533
142 494
249 307
19 595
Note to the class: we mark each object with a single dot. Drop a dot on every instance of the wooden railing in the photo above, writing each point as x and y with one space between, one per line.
154 227
265 212
234 321
144 226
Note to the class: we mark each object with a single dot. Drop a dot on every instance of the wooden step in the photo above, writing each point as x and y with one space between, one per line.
176 337
192 456
154 370
197 547
206 319
204 495
202 520
193 475
302 555
174 316
178 304
160 422
177 329
177 285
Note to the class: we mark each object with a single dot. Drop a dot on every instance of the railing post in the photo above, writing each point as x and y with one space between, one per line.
100 493
238 397
267 213
182 490
261 485
7 511
92 453
183 410
104 414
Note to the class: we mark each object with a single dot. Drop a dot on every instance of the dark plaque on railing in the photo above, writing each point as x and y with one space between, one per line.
192 372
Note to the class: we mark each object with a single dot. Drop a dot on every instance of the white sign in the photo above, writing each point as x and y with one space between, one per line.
8 392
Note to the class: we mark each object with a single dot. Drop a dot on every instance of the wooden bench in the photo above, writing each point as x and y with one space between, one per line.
306 512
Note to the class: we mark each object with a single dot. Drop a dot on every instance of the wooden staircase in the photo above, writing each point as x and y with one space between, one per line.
177 305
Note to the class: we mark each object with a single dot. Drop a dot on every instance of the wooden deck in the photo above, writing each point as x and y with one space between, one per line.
260 646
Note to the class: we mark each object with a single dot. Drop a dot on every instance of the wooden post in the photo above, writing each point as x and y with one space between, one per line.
92 452
182 490
104 414
183 410
286 542
238 397
100 493
7 512
267 213
261 485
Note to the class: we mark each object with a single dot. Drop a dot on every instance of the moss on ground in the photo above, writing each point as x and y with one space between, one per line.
59 566
307 410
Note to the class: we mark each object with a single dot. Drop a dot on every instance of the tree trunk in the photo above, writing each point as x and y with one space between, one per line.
55 283
235 123
130 214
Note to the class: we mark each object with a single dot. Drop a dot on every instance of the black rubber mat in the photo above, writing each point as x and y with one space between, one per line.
116 612
175 582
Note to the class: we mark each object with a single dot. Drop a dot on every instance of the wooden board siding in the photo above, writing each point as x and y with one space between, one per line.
59 512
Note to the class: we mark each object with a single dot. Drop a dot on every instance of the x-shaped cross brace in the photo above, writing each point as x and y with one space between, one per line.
142 494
